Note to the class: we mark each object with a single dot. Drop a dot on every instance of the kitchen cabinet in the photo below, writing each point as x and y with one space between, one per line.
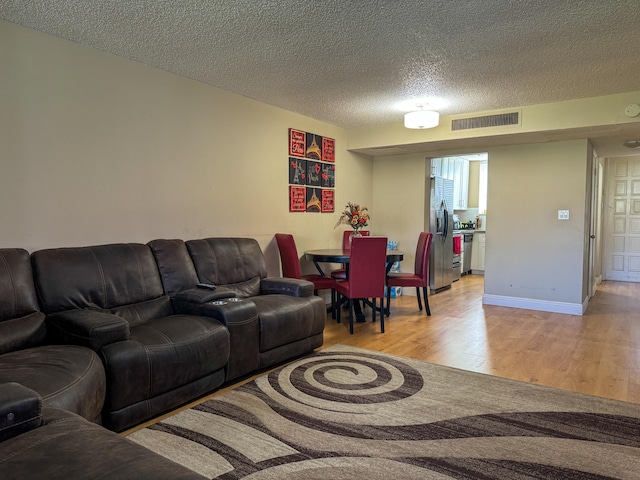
477 252
460 183
456 169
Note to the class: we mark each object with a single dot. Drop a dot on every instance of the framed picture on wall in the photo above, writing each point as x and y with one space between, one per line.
313 199
313 147
297 171
328 201
328 149
314 173
297 142
328 175
297 198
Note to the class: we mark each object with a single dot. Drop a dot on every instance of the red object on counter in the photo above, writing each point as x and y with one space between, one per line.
457 244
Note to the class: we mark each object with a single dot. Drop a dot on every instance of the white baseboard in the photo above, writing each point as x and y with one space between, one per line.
532 304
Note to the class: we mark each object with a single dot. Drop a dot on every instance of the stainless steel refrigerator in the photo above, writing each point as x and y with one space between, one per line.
440 210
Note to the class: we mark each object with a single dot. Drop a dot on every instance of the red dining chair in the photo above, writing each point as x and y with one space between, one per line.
418 279
291 265
367 272
341 273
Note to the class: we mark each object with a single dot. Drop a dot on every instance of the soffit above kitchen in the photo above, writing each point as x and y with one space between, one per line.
356 64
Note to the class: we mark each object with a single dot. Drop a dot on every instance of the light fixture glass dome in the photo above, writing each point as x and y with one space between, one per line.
421 119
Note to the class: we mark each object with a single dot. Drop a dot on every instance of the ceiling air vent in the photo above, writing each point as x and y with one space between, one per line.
499 120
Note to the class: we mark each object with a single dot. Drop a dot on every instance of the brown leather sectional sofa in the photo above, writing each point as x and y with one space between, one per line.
117 334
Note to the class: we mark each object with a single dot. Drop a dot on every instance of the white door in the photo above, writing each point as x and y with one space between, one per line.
622 224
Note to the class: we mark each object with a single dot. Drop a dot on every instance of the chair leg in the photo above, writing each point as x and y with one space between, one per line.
426 300
333 304
336 307
351 315
388 301
419 301
382 314
373 310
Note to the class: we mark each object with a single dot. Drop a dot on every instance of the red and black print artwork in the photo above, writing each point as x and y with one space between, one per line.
297 198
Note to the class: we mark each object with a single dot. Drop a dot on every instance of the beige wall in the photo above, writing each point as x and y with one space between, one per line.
530 254
584 113
533 260
98 149
399 195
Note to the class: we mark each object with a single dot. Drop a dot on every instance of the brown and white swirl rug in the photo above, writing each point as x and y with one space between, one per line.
346 413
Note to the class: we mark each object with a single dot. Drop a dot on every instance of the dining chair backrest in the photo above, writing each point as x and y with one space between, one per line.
422 256
346 238
367 267
288 255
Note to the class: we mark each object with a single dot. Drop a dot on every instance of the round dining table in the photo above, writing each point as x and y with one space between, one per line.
339 255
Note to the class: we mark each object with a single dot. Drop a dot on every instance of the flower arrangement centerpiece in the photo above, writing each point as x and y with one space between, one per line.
355 216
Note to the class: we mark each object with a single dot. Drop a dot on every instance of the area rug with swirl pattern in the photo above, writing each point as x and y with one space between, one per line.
345 413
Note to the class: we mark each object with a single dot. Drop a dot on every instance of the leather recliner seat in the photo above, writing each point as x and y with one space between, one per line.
69 377
110 298
291 317
277 318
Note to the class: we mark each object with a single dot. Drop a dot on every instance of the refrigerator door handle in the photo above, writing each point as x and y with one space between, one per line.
445 234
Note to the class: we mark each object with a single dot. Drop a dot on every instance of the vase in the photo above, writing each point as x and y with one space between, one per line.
355 233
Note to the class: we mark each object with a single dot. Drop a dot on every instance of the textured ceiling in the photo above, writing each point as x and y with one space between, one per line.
352 62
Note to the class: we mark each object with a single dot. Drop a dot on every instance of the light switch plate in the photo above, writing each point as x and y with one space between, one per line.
563 214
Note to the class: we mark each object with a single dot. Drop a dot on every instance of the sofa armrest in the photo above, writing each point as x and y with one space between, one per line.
86 327
20 410
203 295
286 286
242 320
191 301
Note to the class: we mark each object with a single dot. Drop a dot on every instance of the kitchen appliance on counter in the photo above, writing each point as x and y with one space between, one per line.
440 211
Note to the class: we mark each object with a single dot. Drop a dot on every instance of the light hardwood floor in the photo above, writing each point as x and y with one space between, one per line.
597 353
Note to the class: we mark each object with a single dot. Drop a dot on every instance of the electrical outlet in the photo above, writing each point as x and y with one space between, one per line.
563 214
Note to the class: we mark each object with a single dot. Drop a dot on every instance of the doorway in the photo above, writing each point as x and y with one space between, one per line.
622 220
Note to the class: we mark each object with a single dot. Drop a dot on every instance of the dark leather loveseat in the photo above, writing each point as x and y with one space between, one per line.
278 319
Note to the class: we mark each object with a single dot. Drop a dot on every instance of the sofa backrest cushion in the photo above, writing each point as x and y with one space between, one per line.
174 263
142 312
21 322
102 276
234 263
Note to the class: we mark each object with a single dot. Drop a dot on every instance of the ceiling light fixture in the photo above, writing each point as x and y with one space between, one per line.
421 119
632 143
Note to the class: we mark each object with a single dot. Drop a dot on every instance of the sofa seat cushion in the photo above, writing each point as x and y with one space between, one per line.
65 376
285 319
69 447
163 354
